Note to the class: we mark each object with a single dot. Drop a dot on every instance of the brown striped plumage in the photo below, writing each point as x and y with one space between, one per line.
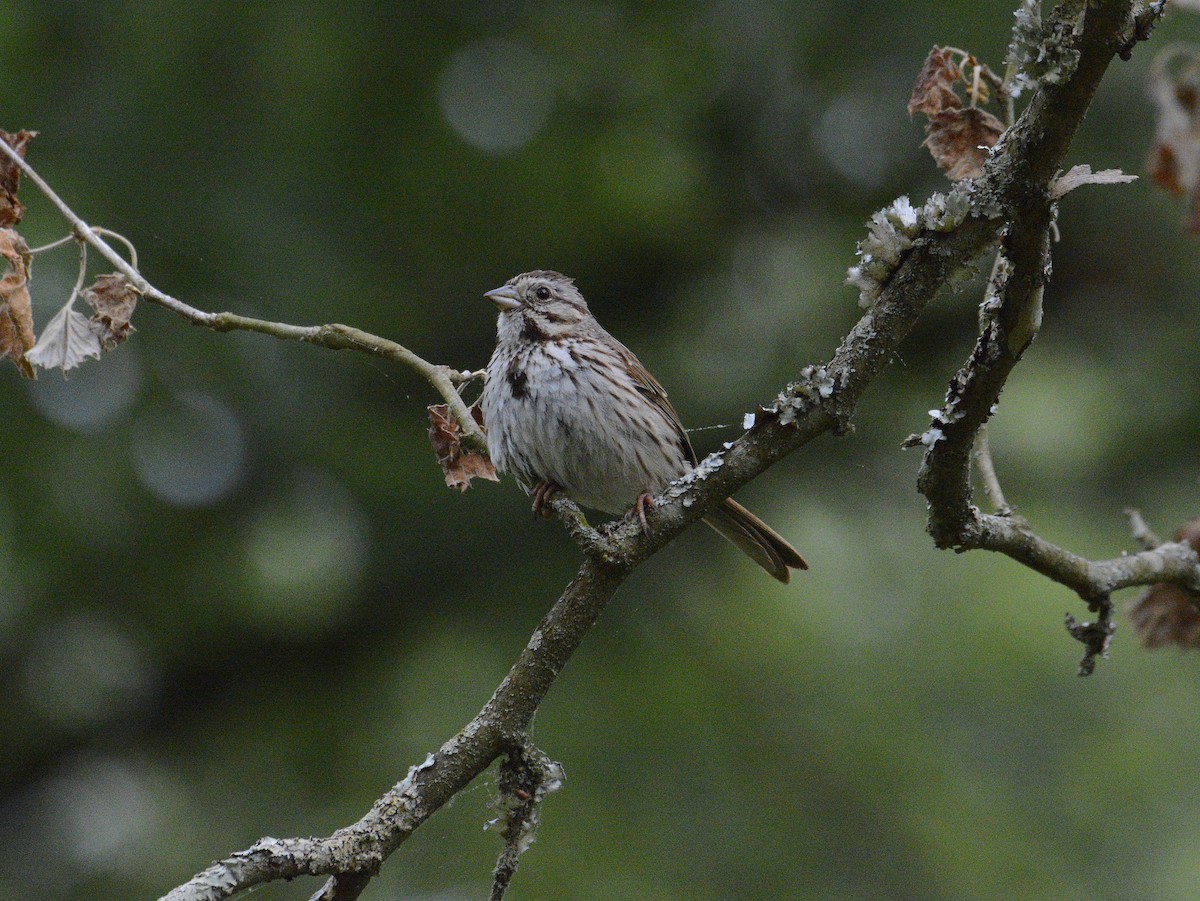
568 406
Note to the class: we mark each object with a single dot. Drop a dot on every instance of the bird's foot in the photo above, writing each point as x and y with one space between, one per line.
644 501
543 492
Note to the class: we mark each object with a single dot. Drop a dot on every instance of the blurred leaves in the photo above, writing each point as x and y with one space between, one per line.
1166 615
1174 161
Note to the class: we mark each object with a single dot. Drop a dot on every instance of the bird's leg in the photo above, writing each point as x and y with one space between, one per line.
638 510
542 493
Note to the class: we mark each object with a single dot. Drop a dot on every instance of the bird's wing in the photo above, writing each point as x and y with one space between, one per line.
655 393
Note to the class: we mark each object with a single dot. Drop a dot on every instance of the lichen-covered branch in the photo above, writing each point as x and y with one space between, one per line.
355 853
1022 183
527 776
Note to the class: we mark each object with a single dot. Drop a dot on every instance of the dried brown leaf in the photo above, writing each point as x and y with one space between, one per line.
1165 614
959 140
11 210
933 92
113 297
16 313
459 464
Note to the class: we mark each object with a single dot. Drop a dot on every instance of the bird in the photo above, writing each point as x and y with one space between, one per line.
569 408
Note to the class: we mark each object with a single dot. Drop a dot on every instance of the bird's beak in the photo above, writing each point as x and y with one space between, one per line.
505 298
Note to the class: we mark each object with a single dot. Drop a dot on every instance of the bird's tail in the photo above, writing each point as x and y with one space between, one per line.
755 539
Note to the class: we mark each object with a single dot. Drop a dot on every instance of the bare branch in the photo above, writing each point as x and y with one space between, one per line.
333 336
1142 533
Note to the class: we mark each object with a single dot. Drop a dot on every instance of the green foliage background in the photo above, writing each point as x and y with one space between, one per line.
236 600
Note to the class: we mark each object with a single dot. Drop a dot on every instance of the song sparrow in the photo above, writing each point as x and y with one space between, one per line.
569 408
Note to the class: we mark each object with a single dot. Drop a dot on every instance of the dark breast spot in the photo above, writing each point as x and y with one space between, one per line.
531 331
517 382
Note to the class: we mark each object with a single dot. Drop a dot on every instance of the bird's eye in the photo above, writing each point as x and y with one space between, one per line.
543 293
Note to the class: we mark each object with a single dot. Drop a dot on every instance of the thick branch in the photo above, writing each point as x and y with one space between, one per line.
1017 179
359 849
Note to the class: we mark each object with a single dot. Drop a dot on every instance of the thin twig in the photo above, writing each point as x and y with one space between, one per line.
1142 533
982 457
53 244
133 261
334 336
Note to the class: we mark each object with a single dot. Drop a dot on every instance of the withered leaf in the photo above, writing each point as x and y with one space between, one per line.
459 464
16 313
934 91
68 339
1174 163
958 137
959 140
1165 614
11 210
113 297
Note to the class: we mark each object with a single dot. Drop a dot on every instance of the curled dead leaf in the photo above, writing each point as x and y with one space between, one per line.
958 136
11 210
1164 614
459 464
16 313
113 297
933 92
959 140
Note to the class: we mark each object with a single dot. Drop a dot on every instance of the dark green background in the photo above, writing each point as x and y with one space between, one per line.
236 599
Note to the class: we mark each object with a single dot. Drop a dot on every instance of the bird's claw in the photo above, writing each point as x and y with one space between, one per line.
638 510
543 492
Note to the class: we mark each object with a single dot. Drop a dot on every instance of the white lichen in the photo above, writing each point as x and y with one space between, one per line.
904 216
1040 49
699 473
890 234
892 231
550 779
946 212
